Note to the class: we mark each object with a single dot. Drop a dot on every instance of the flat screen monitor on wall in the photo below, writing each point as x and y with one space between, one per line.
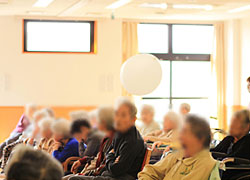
58 36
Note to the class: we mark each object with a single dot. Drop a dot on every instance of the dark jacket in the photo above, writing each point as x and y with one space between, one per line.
131 149
239 149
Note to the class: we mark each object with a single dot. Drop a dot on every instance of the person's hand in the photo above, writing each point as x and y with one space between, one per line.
157 144
56 146
75 167
117 159
167 149
112 151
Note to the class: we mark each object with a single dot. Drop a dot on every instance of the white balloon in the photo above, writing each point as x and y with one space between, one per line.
141 74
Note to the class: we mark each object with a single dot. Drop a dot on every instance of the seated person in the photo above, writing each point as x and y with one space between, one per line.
169 133
29 136
185 109
237 144
22 124
47 142
193 162
96 165
65 146
93 118
30 164
147 117
127 151
81 130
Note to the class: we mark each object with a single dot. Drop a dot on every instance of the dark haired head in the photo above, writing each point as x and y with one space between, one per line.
248 79
77 124
200 128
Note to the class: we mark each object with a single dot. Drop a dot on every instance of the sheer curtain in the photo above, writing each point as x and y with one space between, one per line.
129 44
218 62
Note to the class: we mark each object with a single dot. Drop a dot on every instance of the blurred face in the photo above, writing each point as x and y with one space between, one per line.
237 129
93 122
101 126
183 111
168 124
46 133
146 116
58 137
248 86
30 112
83 135
190 143
123 119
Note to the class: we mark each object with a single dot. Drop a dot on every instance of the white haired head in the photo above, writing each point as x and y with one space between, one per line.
105 116
185 108
81 114
125 101
172 121
61 127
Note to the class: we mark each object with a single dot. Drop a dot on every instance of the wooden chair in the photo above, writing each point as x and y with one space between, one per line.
69 162
146 157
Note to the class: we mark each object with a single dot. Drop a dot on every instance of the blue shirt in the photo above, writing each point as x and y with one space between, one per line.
69 150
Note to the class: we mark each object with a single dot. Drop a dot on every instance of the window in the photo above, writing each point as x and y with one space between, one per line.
153 38
185 64
58 36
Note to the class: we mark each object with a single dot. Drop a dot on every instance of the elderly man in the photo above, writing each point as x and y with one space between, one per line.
237 144
147 117
127 151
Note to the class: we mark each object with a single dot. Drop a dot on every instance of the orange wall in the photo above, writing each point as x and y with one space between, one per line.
9 116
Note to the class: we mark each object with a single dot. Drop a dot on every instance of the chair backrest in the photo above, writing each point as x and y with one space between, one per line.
146 157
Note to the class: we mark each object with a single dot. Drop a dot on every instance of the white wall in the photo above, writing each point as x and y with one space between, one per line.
59 79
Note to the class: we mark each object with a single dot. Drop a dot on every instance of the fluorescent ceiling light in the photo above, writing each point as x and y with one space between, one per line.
118 4
240 9
42 3
75 7
152 5
193 6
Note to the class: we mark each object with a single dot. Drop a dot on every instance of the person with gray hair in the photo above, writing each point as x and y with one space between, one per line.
30 164
185 108
126 153
105 123
237 143
147 117
65 146
47 142
21 126
193 161
170 131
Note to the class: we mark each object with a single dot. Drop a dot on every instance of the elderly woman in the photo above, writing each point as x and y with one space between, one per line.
47 142
96 165
65 146
147 117
31 164
169 133
237 144
194 161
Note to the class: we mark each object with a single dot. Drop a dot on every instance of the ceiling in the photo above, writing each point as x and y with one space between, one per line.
132 10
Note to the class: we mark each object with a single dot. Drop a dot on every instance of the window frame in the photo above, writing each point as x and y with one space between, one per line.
93 36
170 56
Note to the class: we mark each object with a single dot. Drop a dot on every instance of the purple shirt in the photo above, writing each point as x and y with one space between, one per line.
22 124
